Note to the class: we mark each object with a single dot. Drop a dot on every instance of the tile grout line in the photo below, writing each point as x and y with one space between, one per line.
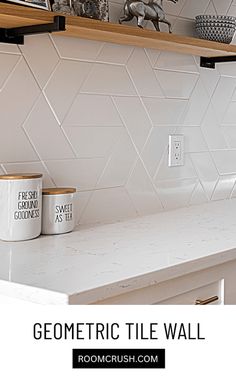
199 178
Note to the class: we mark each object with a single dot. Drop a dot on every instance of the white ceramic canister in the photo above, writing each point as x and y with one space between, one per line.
58 215
20 206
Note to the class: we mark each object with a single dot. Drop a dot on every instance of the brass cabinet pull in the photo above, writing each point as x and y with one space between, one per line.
207 301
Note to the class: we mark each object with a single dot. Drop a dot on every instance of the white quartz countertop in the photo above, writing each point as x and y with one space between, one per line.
92 264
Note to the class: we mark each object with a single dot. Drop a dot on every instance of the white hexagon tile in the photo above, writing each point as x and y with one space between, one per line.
97 116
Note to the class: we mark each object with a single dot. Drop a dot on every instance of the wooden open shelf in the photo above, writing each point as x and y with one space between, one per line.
14 15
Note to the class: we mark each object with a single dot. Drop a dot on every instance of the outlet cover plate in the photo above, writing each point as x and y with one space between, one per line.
176 150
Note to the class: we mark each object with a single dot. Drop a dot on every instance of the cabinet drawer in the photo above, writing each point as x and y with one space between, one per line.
203 295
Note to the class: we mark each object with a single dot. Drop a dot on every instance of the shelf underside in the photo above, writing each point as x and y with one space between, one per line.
14 16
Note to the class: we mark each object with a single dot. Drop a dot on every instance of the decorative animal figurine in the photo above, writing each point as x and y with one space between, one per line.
153 11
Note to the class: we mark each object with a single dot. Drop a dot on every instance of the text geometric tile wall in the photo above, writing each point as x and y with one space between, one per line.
97 116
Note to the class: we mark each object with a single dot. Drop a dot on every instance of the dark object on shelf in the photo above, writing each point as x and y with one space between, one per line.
16 35
153 11
96 9
211 61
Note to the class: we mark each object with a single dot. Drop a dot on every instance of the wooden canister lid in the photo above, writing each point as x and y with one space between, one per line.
58 190
18 176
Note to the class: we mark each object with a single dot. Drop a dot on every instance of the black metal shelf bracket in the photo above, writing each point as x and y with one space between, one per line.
211 62
16 35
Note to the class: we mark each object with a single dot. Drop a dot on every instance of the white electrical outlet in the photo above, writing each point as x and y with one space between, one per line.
176 150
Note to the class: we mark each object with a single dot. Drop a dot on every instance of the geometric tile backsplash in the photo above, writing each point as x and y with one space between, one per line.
97 116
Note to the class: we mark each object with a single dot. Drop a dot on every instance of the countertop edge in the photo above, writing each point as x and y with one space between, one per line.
32 294
151 278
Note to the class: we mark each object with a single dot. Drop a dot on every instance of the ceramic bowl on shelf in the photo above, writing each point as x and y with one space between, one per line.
216 28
